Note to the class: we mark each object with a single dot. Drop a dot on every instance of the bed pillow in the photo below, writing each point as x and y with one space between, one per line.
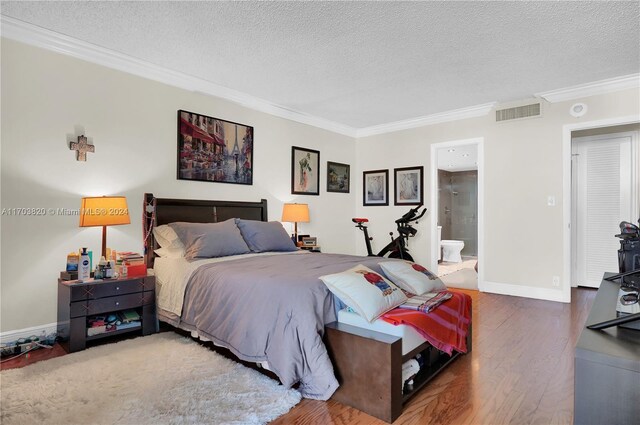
412 277
206 240
365 291
169 253
167 237
262 236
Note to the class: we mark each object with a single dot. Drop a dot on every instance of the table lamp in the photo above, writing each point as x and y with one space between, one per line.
295 213
104 211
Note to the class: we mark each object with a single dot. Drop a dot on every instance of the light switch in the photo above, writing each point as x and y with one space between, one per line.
551 201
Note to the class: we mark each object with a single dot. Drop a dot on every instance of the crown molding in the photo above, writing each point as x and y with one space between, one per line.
454 115
591 89
36 36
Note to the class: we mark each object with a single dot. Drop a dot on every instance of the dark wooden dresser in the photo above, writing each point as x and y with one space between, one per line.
607 367
78 302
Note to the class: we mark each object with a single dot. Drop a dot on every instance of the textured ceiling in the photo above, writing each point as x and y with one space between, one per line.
364 63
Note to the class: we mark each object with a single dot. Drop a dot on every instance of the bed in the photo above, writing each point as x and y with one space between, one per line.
268 308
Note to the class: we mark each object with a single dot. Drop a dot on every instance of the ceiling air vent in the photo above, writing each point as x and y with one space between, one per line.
519 112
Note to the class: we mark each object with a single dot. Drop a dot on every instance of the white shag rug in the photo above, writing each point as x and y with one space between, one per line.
158 379
446 268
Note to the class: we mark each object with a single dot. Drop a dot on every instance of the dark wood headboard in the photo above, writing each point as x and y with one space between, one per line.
159 211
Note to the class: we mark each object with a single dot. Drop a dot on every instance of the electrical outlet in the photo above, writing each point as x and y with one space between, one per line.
556 281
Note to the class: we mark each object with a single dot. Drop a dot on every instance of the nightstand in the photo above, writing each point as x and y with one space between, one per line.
80 302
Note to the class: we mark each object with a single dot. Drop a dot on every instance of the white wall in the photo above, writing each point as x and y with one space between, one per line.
523 166
49 99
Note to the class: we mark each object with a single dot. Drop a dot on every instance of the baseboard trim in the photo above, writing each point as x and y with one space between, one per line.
39 331
524 291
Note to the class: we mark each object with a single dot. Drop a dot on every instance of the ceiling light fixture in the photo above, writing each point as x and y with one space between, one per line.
465 154
451 150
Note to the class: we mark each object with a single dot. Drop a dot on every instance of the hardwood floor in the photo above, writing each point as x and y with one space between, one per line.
33 357
519 372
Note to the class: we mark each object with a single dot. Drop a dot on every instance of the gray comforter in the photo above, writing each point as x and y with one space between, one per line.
272 308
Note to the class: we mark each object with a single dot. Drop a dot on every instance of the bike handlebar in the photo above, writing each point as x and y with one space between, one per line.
411 215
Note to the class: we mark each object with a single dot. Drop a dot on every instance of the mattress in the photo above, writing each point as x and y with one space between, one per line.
173 274
410 337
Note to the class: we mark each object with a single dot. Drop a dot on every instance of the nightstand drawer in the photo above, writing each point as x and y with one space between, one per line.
106 288
110 289
107 305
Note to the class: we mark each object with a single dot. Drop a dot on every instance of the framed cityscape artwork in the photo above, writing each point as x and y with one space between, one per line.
214 150
338 177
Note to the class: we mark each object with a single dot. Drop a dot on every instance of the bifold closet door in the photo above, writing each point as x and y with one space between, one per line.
603 198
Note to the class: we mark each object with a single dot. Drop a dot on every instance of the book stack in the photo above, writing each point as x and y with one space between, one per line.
134 264
131 257
128 319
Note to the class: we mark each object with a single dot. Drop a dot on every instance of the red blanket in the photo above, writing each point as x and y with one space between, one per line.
445 327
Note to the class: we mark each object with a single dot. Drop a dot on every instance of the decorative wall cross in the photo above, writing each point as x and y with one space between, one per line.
81 147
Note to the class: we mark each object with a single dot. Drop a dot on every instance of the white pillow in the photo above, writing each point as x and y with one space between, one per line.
167 237
170 252
412 277
365 291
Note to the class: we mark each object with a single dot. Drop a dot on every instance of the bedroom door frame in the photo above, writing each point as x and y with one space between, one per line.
567 130
578 196
435 249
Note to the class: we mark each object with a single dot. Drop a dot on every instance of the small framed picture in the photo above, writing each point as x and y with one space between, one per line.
305 171
375 187
338 177
407 183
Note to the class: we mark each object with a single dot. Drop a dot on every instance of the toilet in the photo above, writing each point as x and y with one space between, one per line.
451 251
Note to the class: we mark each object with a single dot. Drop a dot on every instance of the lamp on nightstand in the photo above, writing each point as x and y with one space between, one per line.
295 213
104 211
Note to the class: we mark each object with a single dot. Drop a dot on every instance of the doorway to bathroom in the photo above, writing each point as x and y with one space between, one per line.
456 205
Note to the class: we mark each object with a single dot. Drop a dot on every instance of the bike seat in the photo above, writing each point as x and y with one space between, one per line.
360 220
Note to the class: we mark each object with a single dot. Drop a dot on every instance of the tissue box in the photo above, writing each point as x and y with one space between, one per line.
137 270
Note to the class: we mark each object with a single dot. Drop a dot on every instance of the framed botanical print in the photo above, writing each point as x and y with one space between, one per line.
375 187
407 183
305 171
214 150
338 177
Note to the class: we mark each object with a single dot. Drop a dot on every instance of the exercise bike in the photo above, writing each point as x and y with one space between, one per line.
397 248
